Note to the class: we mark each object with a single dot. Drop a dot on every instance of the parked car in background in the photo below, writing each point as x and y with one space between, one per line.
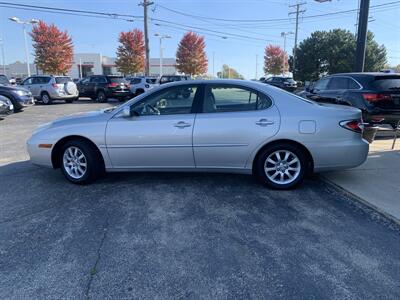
173 78
17 95
376 94
102 87
285 83
4 80
6 106
216 125
49 88
139 85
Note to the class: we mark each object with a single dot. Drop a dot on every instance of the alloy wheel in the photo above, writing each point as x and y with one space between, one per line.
282 167
74 162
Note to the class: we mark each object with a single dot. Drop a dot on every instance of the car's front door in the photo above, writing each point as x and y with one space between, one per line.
235 121
158 134
28 84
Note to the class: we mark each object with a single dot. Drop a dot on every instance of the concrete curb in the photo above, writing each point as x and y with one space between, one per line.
361 200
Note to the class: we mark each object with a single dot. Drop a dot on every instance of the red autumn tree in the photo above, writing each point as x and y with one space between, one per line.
130 52
191 57
275 60
53 48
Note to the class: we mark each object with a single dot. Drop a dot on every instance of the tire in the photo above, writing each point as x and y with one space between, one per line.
139 92
45 98
83 170
101 97
284 173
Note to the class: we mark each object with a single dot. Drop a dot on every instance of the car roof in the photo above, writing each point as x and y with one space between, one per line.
361 74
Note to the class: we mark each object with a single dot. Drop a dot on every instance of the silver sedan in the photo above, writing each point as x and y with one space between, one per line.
216 125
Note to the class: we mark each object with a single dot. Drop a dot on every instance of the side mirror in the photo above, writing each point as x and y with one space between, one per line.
126 112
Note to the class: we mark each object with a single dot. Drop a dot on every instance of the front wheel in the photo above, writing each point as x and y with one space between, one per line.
281 166
80 163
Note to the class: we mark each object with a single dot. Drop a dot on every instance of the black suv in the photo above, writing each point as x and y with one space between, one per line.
285 83
376 94
172 78
101 87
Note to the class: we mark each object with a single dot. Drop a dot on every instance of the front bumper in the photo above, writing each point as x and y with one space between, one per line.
23 101
39 156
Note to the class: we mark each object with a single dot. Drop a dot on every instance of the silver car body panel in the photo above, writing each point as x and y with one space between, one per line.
222 141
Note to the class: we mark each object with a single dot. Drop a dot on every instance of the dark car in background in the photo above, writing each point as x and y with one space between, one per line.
18 96
377 95
173 78
102 87
285 83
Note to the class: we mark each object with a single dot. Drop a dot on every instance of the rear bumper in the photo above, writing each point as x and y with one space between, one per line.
339 155
62 96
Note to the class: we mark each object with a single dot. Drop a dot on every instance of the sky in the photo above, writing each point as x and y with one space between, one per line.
236 31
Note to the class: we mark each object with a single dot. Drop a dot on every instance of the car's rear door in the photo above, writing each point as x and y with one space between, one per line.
235 120
159 135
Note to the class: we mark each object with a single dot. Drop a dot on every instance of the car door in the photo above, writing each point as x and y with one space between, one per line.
234 122
83 86
158 134
28 84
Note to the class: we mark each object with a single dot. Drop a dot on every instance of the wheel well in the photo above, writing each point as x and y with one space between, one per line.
43 92
55 154
140 90
310 159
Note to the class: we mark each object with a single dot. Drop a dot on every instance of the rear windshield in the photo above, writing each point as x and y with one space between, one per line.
387 83
63 79
4 80
117 79
289 80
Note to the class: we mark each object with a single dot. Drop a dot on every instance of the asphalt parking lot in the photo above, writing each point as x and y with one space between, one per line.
163 235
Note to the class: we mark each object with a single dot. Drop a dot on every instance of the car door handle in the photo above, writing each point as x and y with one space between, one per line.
264 122
182 124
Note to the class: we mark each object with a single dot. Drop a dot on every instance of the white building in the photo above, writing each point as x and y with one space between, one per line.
97 64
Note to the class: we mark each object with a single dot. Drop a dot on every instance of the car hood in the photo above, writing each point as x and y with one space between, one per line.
13 88
81 117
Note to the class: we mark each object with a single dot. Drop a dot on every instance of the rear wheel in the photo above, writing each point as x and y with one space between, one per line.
101 97
80 162
281 166
45 98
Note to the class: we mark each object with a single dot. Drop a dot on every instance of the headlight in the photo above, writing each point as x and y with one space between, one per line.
21 93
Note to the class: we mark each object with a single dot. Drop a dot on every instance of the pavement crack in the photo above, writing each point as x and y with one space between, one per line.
93 270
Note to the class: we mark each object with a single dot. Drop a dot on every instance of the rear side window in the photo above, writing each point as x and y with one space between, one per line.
63 79
321 85
231 99
342 83
98 80
4 79
387 83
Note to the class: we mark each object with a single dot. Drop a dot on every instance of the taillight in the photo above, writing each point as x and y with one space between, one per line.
113 84
353 125
55 85
374 97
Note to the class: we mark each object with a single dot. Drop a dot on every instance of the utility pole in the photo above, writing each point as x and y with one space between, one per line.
362 35
145 4
284 35
298 11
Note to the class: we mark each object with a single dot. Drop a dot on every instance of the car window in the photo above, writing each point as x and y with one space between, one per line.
85 80
269 79
37 80
164 80
27 81
387 83
63 79
175 100
4 79
136 80
231 98
114 79
321 84
151 80
338 83
353 85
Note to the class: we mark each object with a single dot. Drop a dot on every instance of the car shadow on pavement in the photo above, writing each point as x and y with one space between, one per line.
189 235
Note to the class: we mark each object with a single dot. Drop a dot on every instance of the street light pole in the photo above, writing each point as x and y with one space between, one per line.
24 23
2 56
161 37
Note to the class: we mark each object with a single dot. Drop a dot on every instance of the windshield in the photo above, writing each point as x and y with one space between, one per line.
4 80
63 79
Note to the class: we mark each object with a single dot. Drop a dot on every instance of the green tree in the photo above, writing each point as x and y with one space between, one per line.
228 72
330 52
